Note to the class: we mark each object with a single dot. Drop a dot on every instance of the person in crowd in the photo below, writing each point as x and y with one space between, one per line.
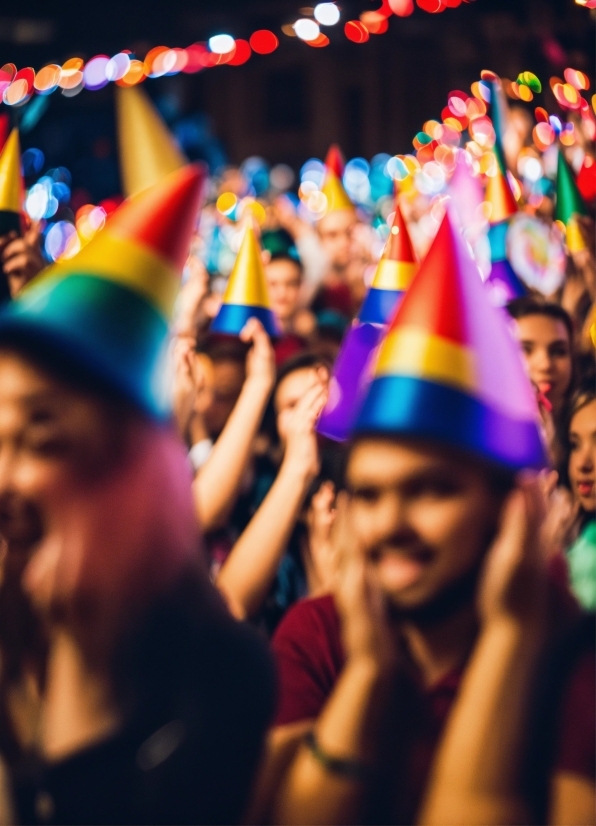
269 550
545 332
284 274
581 477
442 602
139 717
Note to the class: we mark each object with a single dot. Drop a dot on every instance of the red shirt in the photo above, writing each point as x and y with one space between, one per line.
309 654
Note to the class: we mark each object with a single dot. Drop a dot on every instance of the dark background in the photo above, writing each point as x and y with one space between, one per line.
289 105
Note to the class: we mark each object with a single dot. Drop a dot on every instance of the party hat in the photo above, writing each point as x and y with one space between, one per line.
499 195
449 370
11 185
503 282
148 151
496 111
246 293
333 189
393 275
105 312
569 205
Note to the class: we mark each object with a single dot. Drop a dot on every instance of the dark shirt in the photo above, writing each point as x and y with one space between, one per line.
189 751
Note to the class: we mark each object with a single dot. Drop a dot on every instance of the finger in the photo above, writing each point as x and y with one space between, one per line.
33 233
16 247
252 331
16 264
6 239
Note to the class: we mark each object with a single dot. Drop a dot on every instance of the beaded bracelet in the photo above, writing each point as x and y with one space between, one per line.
352 769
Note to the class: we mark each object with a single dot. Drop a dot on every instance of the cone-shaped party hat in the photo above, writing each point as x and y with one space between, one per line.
246 294
351 371
11 185
333 189
503 283
449 370
106 311
393 275
569 204
148 151
496 111
499 195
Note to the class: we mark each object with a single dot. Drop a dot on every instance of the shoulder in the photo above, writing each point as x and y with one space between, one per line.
309 656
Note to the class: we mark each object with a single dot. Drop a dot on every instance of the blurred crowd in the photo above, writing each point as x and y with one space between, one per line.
232 618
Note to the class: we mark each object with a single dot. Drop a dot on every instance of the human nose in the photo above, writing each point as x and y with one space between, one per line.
390 523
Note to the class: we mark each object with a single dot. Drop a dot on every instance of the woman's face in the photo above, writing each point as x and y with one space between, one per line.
582 458
547 353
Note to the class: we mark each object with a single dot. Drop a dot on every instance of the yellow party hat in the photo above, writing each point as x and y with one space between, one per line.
148 151
246 294
11 185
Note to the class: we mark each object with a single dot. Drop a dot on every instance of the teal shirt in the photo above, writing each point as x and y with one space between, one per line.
582 566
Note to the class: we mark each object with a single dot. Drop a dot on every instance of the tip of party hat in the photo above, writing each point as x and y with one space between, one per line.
148 151
11 179
500 197
334 160
569 201
162 218
399 244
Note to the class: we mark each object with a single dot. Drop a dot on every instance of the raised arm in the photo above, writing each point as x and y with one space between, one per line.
476 775
250 569
217 483
329 777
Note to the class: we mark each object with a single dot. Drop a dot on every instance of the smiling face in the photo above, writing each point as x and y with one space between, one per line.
547 352
94 498
582 456
423 517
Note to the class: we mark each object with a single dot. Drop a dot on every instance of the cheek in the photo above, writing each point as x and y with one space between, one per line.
455 529
282 424
43 478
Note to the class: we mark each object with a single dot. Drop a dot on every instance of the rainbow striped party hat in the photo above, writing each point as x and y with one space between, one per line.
246 294
449 370
148 151
11 185
503 282
393 275
106 311
498 191
569 205
333 189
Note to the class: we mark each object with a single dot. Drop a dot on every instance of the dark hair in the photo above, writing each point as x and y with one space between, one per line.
529 305
285 256
301 361
584 395
223 348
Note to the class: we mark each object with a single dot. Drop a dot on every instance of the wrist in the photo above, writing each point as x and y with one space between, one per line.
259 383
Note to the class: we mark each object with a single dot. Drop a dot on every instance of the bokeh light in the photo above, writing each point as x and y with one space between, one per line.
306 29
263 41
221 43
95 72
327 14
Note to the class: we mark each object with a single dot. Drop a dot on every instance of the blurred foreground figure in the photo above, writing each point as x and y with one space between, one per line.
446 680
128 693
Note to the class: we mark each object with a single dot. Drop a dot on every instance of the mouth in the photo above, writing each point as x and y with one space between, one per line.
398 570
585 488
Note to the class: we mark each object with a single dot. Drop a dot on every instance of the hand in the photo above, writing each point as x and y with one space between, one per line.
191 298
319 522
285 212
366 630
260 361
302 451
185 388
561 514
513 582
21 257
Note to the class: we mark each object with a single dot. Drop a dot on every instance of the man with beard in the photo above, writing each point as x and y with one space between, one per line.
135 714
437 624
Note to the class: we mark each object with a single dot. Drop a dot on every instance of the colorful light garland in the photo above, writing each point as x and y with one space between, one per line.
17 86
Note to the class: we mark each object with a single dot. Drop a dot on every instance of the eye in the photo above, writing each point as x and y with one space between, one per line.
527 347
559 351
366 494
437 487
